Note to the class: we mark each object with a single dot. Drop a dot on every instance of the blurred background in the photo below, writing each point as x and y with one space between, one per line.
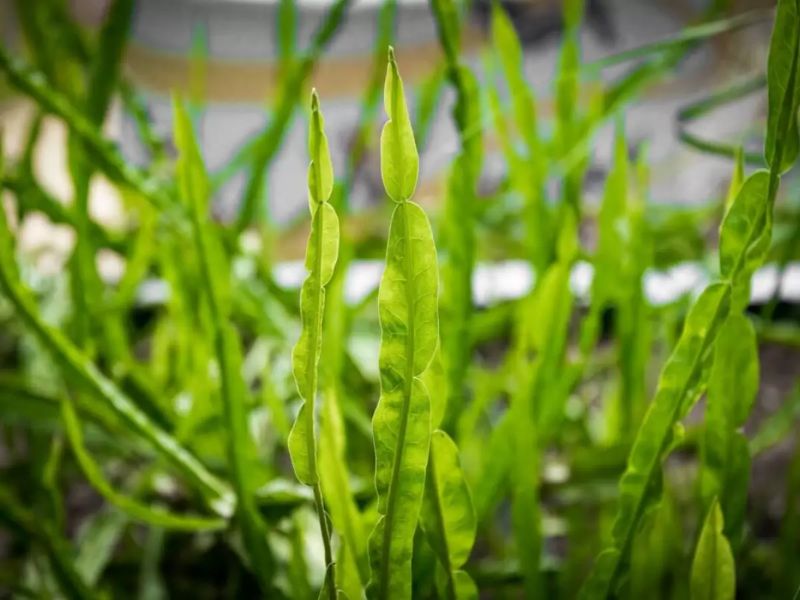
690 95
224 56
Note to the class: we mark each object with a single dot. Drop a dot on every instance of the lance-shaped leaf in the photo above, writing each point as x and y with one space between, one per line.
457 225
526 172
321 254
732 389
407 303
345 517
612 228
399 158
448 517
448 27
745 235
713 573
639 486
567 81
734 376
509 50
783 88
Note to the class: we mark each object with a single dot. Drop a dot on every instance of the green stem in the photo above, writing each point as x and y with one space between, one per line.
312 368
330 572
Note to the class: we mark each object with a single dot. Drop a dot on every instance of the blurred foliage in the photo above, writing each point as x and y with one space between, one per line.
563 442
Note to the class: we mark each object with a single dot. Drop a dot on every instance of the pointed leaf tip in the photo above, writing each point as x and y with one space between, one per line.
314 100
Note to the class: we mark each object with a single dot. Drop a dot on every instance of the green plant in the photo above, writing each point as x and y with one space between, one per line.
407 303
239 437
323 247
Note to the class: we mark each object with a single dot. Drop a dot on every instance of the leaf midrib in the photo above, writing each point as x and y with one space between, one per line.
401 211
315 326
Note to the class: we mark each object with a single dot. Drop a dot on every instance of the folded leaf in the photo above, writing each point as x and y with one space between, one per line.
713 572
732 388
448 517
334 478
399 158
640 484
745 234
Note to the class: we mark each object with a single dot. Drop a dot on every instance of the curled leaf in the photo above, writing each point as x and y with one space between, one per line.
399 158
448 517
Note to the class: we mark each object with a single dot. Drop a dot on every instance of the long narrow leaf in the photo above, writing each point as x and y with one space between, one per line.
713 576
744 238
448 517
133 508
194 189
321 255
269 141
409 332
58 550
84 372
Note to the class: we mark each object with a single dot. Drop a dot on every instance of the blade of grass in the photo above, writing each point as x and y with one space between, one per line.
85 373
286 32
693 33
526 172
268 142
133 508
107 157
104 71
701 107
458 222
215 284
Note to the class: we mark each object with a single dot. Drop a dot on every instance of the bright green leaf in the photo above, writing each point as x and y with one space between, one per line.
320 170
745 234
399 158
713 572
448 517
407 306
